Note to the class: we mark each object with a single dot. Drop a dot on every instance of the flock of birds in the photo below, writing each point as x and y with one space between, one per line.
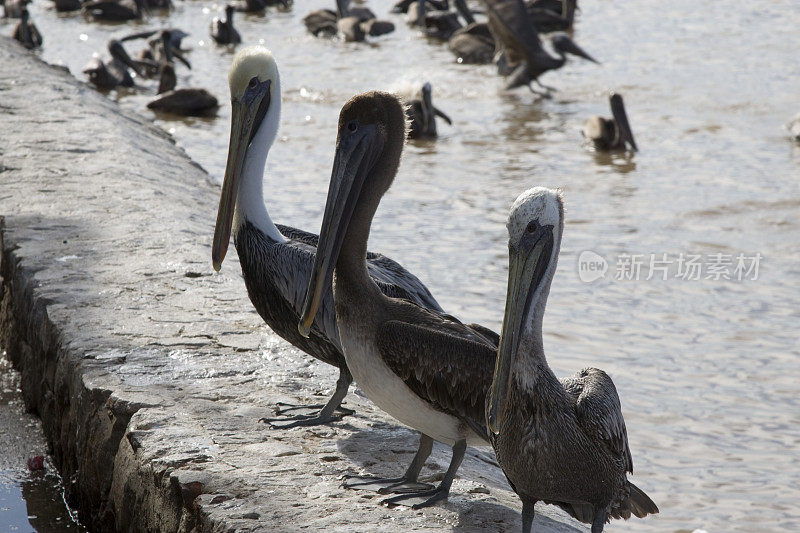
558 441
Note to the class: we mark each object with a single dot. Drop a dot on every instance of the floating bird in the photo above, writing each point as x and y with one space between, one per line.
64 6
110 74
255 6
113 11
551 15
276 261
26 33
473 44
185 102
162 47
610 133
353 23
440 24
404 5
561 442
422 115
523 56
222 31
13 8
400 354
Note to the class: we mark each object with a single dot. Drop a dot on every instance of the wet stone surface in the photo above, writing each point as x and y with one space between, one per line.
149 379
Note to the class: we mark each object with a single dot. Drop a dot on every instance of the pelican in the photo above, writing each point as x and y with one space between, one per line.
67 5
276 261
424 368
26 33
110 74
222 31
524 57
422 115
473 44
551 15
610 133
112 10
14 8
440 24
352 23
561 442
185 102
162 47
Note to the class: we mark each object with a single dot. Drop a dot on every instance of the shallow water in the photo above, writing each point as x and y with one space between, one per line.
706 369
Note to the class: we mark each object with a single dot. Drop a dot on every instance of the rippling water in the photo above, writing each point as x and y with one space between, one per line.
706 369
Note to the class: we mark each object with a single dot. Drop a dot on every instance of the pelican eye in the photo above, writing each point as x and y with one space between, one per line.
532 226
352 126
253 83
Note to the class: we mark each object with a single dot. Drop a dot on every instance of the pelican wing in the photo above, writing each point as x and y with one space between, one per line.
599 412
444 362
393 280
512 27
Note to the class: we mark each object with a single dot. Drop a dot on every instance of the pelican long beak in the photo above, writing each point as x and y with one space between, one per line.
526 274
356 153
570 47
621 118
247 112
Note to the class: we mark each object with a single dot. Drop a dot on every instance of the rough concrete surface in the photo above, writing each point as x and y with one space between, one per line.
148 371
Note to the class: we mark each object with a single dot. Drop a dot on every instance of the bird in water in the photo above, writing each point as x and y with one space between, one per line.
13 8
794 127
473 44
162 47
401 354
561 442
64 6
114 72
551 15
185 102
352 23
256 6
111 10
422 115
222 31
523 56
277 260
26 33
610 133
439 23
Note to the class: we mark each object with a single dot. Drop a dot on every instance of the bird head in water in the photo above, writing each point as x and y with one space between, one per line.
534 235
372 131
255 114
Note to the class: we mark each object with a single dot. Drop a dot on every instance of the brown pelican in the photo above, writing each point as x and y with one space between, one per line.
524 57
277 260
67 5
402 355
162 47
186 102
25 32
473 44
222 31
112 10
610 133
440 24
110 74
353 23
551 15
422 115
561 442
13 8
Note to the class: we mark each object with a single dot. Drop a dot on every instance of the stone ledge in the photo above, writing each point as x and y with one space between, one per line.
149 378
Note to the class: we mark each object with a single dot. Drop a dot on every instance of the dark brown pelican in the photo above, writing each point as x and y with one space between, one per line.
473 44
352 23
110 74
422 115
112 10
222 31
277 260
185 102
67 5
610 133
524 57
162 47
25 32
551 15
440 24
560 442
400 354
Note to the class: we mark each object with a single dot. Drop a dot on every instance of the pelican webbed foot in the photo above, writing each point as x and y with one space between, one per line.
405 484
325 414
441 492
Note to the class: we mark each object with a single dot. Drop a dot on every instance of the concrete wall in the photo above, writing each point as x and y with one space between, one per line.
148 371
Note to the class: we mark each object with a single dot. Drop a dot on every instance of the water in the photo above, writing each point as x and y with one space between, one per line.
706 369
29 500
